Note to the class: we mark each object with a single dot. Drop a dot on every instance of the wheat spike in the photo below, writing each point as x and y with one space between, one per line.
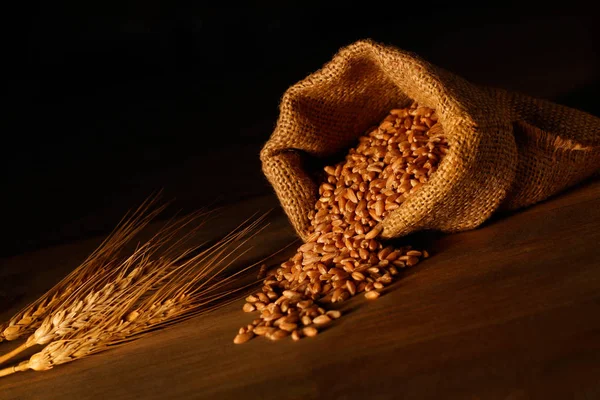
189 288
84 304
29 318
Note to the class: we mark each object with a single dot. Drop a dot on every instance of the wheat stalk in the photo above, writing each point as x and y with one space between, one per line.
29 318
189 288
83 305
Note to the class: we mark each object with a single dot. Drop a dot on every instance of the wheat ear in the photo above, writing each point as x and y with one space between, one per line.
30 317
189 289
84 304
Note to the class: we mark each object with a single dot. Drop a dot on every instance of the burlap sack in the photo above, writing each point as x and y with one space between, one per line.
507 150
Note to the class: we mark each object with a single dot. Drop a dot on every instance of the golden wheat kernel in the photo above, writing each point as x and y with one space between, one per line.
372 295
412 261
296 335
263 330
288 326
322 320
334 314
310 331
278 334
243 337
251 299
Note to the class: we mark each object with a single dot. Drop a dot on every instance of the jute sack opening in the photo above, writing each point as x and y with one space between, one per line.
507 150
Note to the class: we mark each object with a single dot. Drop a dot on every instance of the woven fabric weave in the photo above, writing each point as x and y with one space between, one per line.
507 150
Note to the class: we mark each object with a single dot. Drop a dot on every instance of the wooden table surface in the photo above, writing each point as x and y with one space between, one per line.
507 311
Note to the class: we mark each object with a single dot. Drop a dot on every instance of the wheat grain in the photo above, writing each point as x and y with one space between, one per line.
310 331
296 335
277 335
322 320
343 256
243 337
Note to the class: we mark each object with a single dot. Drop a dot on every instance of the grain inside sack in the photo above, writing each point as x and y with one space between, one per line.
501 150
506 150
342 256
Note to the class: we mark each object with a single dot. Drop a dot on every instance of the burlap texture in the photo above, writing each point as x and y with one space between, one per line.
507 150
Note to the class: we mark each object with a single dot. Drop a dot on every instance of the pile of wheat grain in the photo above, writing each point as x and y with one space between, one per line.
342 256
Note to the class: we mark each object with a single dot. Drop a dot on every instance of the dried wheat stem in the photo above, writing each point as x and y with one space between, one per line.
13 353
11 370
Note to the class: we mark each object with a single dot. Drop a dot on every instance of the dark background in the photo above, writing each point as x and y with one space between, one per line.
107 104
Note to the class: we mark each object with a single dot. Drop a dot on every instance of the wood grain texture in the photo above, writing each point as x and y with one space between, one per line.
508 311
